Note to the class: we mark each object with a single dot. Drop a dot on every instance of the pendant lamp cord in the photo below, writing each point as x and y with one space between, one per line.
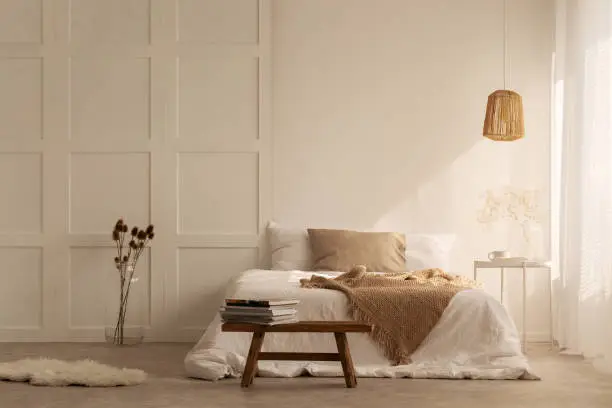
505 13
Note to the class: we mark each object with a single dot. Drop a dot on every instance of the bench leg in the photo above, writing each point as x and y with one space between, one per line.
346 360
251 363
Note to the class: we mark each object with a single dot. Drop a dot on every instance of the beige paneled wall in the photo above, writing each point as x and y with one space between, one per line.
154 110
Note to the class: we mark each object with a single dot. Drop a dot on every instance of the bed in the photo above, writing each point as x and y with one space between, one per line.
475 337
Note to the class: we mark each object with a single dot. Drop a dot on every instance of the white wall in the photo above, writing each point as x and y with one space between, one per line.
378 110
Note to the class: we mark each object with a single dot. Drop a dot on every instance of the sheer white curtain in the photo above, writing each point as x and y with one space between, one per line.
582 140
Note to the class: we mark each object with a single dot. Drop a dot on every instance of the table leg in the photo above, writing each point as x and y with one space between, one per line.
502 286
345 359
524 308
475 272
552 339
251 363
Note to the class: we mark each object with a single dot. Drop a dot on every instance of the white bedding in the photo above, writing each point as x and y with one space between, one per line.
475 338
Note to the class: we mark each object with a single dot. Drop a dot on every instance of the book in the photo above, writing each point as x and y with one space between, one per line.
260 320
255 311
258 308
260 302
268 323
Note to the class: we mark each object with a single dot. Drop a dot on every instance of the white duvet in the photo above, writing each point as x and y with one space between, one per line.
474 339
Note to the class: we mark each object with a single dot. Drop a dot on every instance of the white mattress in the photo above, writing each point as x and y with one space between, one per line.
475 338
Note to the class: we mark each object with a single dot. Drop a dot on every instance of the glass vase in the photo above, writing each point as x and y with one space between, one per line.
123 325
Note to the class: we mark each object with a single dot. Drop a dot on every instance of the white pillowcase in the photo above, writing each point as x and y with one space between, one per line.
290 249
424 251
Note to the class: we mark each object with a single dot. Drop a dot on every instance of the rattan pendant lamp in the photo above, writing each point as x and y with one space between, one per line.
504 119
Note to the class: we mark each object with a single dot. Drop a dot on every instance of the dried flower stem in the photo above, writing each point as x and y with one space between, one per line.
124 304
126 266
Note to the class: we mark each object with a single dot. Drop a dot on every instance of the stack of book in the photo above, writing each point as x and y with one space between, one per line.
259 311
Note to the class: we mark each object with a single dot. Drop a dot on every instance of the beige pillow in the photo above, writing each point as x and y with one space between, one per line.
341 250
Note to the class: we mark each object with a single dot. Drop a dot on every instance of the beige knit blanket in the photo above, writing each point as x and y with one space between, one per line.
402 307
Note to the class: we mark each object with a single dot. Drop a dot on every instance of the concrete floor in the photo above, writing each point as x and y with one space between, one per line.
566 382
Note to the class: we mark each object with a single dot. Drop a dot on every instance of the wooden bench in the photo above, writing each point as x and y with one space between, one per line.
339 328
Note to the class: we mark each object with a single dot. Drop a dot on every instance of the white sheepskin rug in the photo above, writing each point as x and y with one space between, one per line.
56 373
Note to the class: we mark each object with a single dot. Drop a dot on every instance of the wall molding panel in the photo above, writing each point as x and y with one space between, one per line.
154 110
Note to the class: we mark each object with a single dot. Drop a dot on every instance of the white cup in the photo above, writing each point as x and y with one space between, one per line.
498 255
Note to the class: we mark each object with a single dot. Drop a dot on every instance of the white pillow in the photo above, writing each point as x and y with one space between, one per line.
424 251
289 248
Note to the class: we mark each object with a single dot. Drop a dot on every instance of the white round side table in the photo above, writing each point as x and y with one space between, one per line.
513 264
